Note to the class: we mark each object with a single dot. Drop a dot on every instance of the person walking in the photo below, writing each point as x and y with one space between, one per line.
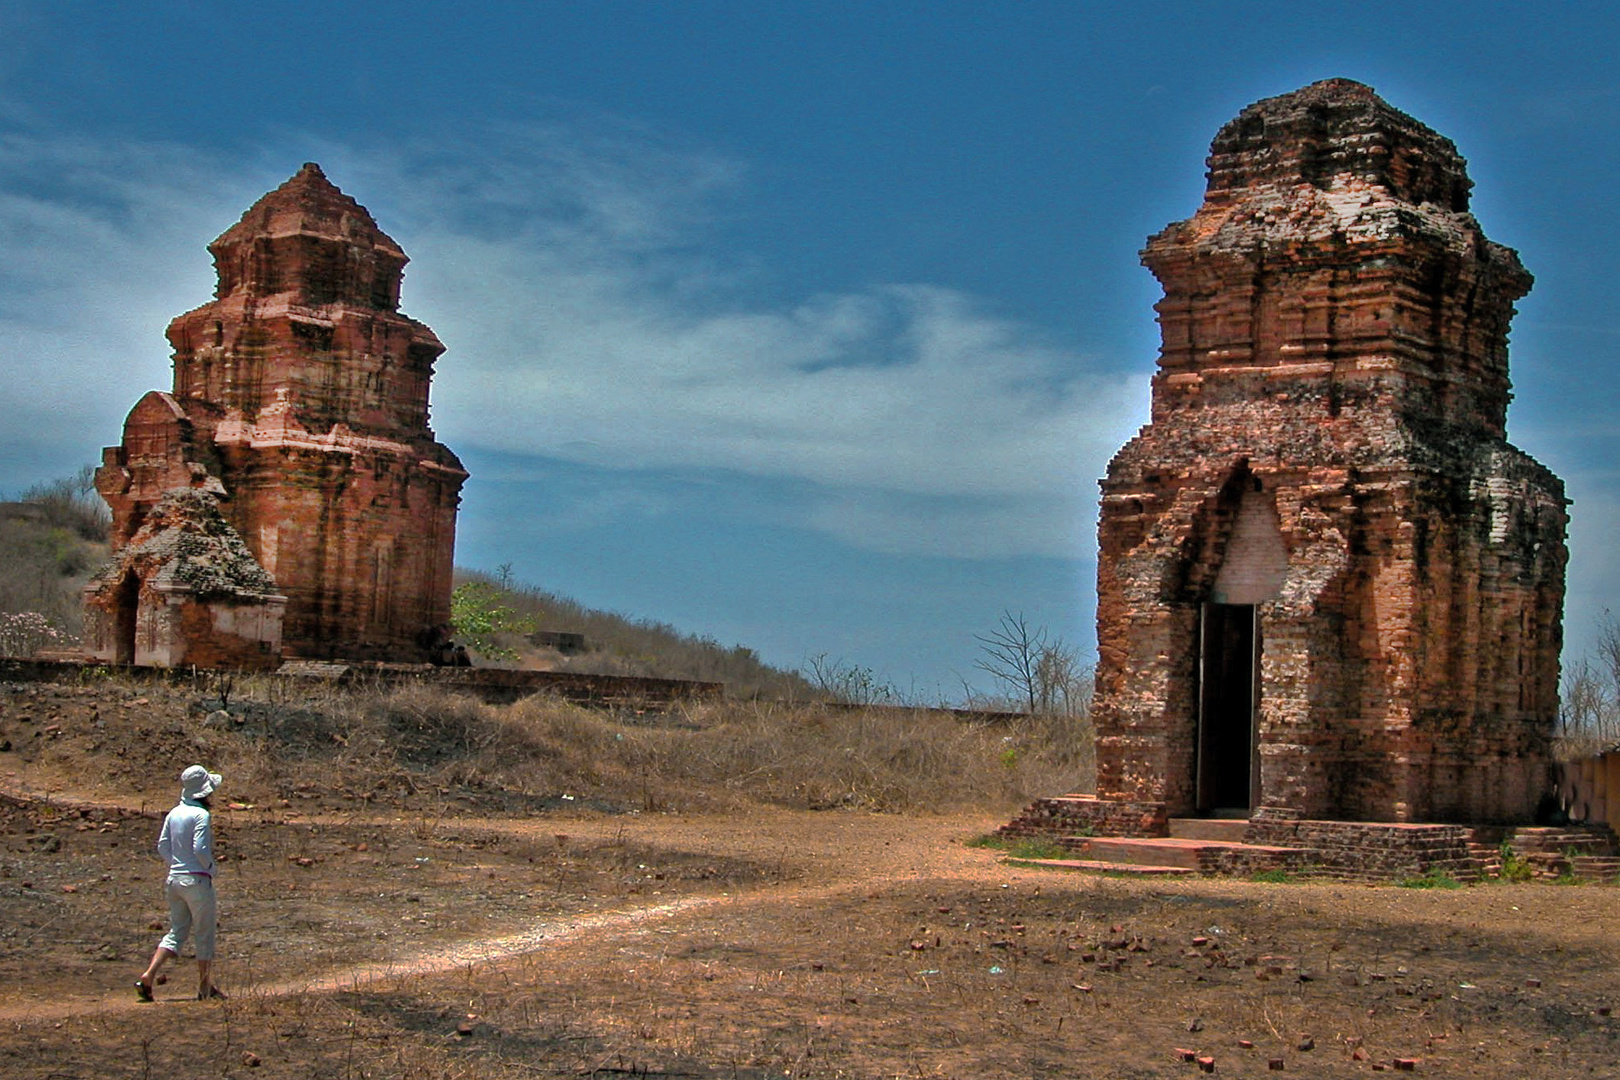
186 845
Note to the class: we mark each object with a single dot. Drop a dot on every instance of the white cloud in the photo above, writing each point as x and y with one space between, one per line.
101 248
592 315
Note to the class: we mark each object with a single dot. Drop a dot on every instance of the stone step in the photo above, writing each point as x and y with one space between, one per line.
1157 851
1582 841
1099 866
1231 830
1170 851
1595 866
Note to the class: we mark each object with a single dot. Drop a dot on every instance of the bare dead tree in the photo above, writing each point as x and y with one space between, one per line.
1044 673
1063 682
1589 697
1012 655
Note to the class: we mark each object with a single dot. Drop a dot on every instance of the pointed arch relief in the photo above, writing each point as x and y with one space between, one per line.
1250 569
1254 565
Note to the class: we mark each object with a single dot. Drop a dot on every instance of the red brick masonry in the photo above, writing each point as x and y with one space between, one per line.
300 400
1327 447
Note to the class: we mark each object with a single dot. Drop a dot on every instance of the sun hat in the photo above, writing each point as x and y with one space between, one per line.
198 783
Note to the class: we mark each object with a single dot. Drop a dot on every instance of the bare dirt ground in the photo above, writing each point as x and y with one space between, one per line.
421 936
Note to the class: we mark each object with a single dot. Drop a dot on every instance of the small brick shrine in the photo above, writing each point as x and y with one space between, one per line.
300 402
185 591
1328 587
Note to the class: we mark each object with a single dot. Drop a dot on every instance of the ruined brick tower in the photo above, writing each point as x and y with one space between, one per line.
301 402
1328 587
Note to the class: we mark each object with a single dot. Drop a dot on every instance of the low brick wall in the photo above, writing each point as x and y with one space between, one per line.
1372 851
1238 862
493 685
1091 815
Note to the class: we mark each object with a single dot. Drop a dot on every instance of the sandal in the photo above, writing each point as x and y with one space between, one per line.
213 992
142 991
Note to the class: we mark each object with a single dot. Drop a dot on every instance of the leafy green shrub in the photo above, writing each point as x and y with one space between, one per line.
479 614
1515 867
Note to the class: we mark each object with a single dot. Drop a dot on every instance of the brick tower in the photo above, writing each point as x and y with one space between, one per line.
1327 585
301 402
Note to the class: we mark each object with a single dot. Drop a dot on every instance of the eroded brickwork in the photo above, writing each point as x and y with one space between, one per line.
1333 378
184 591
300 399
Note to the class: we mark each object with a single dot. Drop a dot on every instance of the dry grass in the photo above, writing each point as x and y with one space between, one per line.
711 756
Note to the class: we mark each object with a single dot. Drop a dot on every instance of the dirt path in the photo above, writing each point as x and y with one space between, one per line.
829 855
765 944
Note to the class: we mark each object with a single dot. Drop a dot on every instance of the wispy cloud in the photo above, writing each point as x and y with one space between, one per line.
594 314
99 248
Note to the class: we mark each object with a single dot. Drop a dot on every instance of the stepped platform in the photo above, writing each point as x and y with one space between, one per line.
1139 837
1231 830
1195 855
1100 866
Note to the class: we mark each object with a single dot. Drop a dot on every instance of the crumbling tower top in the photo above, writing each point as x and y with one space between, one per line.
1336 132
305 320
309 239
1335 233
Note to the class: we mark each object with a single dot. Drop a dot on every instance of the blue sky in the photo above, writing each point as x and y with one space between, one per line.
809 327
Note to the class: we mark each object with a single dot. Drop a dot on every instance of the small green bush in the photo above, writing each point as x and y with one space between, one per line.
1275 876
1515 867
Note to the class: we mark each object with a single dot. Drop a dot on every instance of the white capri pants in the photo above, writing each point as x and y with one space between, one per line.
191 909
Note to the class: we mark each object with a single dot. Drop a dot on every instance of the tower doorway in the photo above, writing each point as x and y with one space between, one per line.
125 618
1228 759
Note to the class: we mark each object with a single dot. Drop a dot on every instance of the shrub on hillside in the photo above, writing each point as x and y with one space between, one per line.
23 633
621 645
72 503
50 542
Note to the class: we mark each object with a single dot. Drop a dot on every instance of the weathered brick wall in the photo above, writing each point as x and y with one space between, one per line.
227 633
1086 814
184 591
1334 346
1364 851
301 396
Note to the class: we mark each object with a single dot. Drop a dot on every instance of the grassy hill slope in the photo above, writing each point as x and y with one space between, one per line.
54 536
618 644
